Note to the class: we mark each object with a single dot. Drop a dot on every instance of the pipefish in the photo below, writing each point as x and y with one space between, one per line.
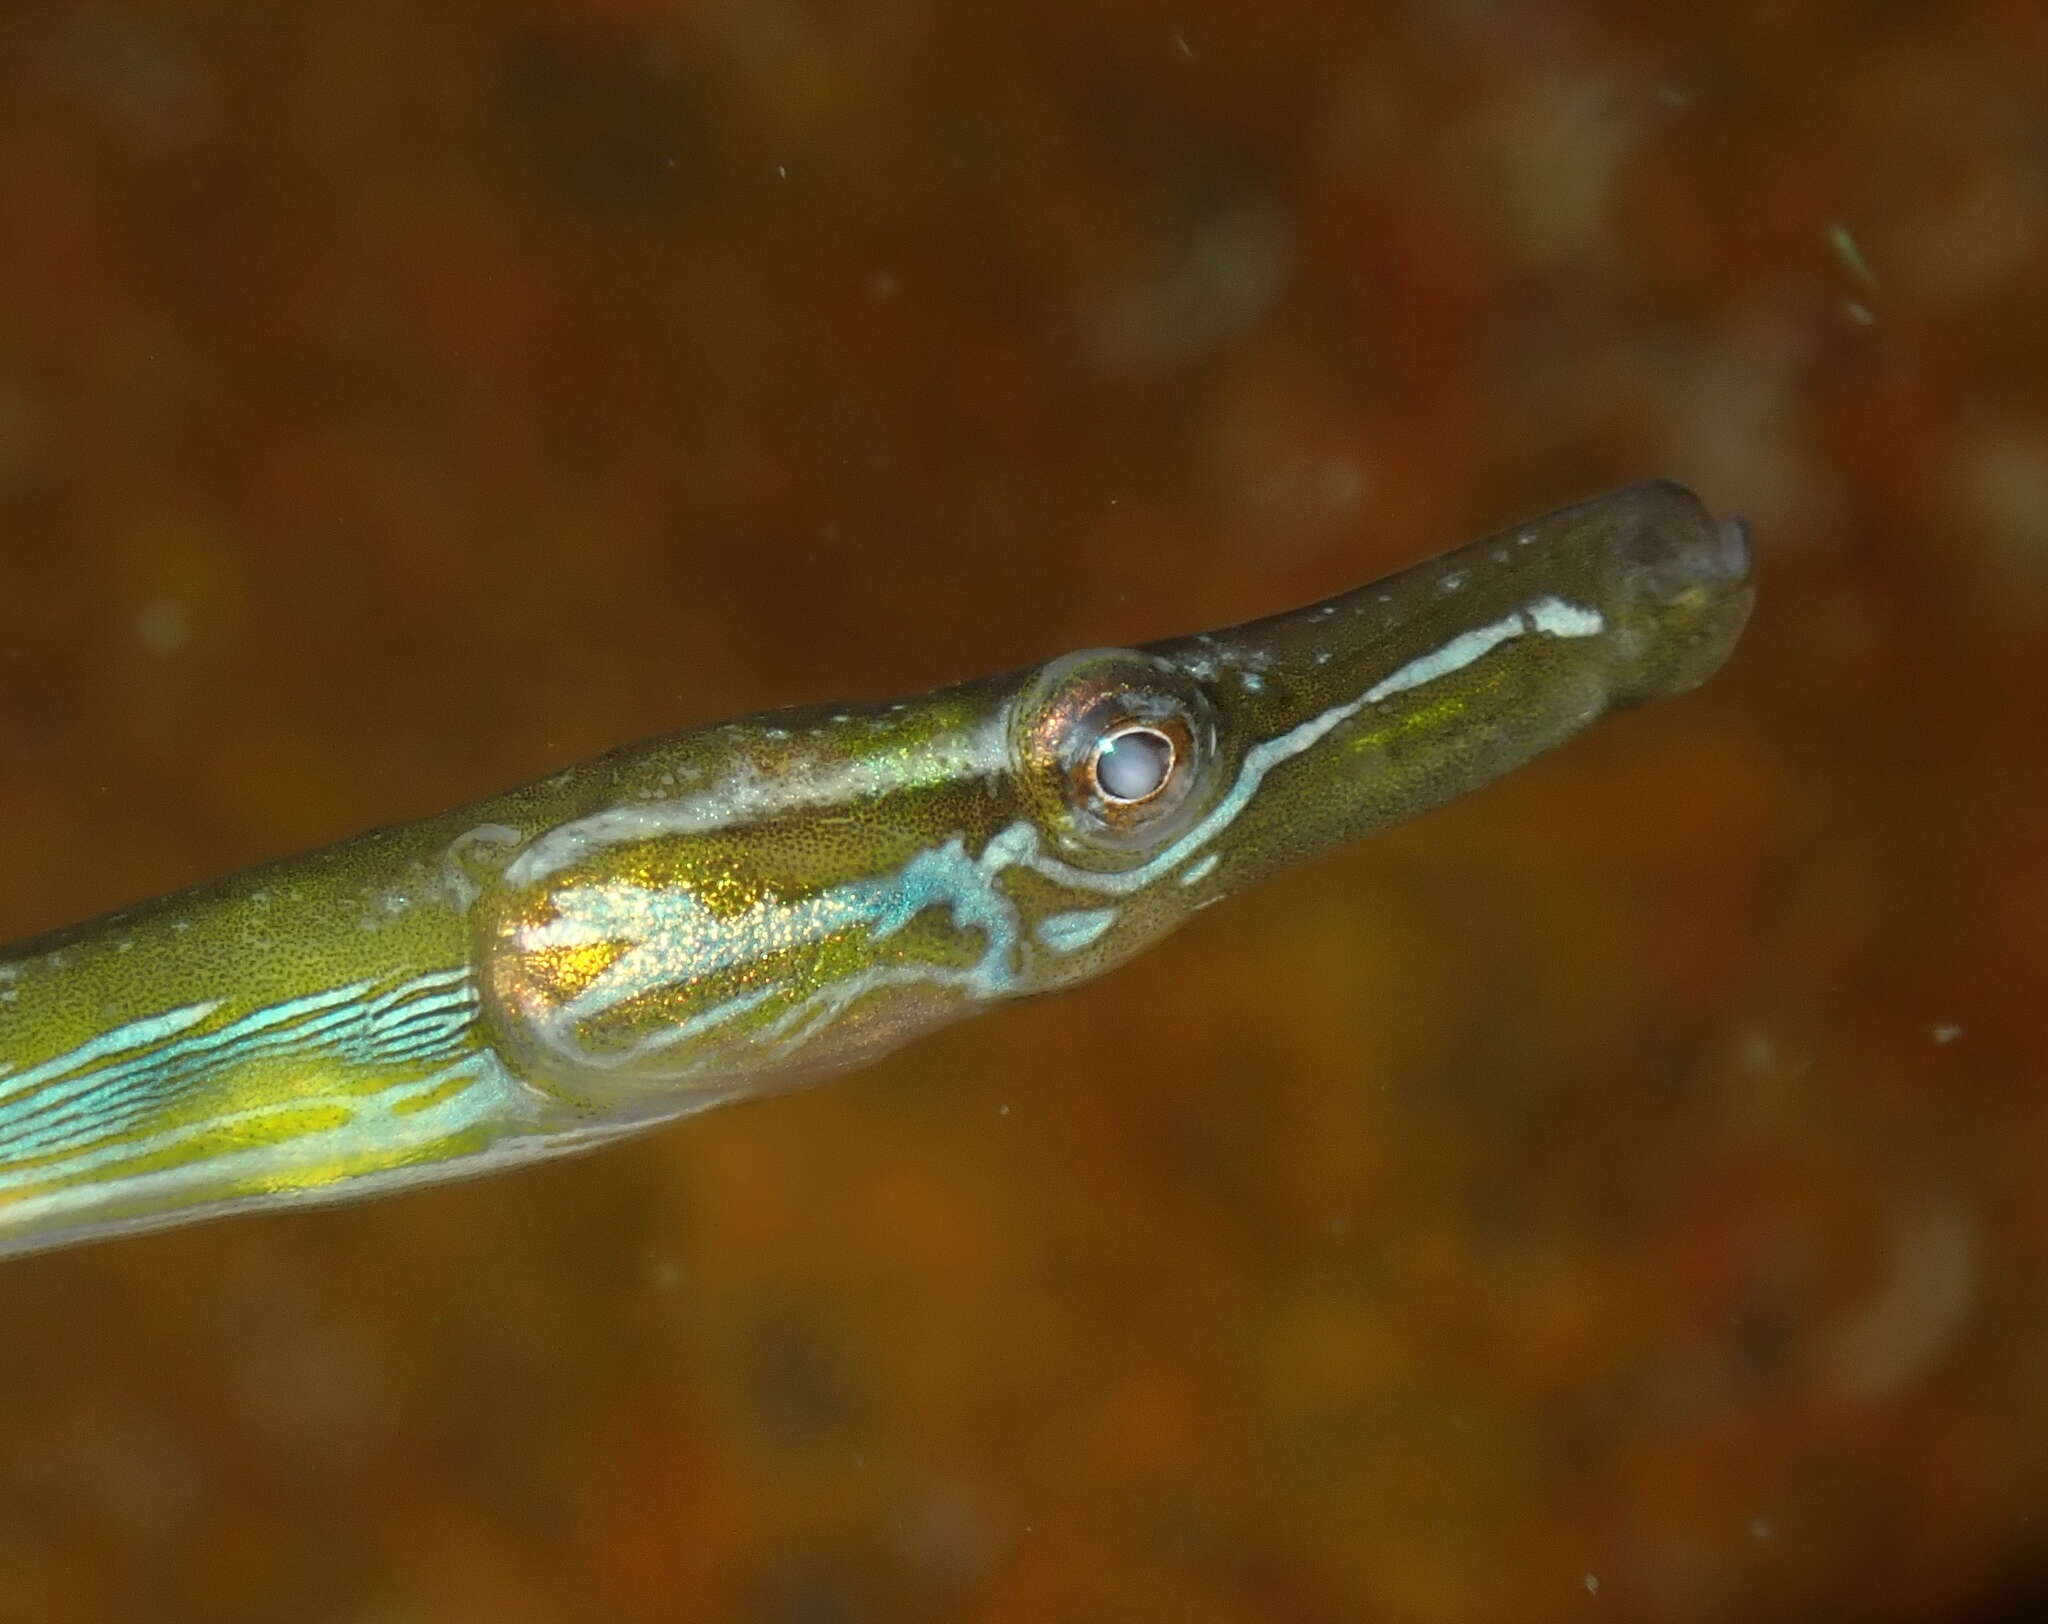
747 906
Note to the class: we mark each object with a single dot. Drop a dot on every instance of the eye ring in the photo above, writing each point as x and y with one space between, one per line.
1134 791
1133 763
1114 752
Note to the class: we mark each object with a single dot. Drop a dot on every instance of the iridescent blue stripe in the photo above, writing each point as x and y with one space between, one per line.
105 1088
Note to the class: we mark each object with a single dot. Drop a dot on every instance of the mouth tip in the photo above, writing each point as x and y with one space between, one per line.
1737 555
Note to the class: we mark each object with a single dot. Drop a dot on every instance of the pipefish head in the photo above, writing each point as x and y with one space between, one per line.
1358 712
782 897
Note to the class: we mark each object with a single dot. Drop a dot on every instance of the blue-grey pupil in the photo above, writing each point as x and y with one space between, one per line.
1132 765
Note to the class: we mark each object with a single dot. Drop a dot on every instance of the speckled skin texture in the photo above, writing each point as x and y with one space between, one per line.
765 901
1630 1172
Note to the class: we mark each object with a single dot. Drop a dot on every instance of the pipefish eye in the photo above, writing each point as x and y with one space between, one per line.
1134 764
1114 749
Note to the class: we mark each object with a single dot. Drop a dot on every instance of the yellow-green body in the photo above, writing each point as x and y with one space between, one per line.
751 905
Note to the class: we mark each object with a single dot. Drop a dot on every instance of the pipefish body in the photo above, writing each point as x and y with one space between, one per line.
747 906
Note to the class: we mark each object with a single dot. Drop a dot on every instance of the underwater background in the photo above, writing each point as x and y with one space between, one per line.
1621 1193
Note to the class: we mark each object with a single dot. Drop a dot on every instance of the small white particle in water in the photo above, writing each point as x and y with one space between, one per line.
1343 484
1592 1584
1946 1032
161 627
1180 44
1860 313
782 171
1760 1529
1002 1110
1850 255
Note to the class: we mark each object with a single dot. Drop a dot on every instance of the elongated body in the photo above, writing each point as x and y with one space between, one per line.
750 905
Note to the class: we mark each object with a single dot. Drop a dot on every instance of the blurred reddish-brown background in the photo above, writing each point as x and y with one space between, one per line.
1619 1195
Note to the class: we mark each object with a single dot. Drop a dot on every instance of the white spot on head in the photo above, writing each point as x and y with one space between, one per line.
1451 582
1251 681
1946 1032
1201 869
1560 619
1552 616
1070 932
